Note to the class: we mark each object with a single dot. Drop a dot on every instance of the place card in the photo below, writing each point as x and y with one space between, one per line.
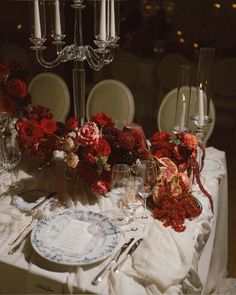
74 238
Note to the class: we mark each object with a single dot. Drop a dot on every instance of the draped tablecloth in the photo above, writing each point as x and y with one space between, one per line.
166 262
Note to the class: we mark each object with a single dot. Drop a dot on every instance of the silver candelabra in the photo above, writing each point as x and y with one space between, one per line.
106 27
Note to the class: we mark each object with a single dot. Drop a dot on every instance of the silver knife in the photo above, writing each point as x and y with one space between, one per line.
131 250
114 259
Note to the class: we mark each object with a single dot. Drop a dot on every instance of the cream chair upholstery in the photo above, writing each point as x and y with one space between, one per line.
113 98
51 91
166 113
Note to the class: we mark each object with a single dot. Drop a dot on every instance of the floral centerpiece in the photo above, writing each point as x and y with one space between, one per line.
92 150
14 97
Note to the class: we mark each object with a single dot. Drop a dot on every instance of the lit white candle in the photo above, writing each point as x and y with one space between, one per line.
113 26
57 18
37 25
183 114
201 107
102 32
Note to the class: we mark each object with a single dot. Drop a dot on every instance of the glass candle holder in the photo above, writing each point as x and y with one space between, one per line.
203 95
183 98
204 85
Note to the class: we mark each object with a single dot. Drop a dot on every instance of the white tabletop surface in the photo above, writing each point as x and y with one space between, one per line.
198 261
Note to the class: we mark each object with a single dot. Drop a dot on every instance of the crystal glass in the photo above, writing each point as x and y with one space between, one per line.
147 170
200 114
183 98
132 199
11 157
119 180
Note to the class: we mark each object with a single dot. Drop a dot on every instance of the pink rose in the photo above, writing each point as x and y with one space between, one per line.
88 134
100 187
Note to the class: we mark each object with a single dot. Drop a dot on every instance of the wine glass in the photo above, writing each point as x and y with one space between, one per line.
11 157
132 199
147 170
119 180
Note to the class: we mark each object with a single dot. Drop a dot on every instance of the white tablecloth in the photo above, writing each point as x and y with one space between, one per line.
197 262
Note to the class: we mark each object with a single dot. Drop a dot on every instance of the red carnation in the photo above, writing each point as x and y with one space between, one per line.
48 126
71 123
103 148
29 131
103 120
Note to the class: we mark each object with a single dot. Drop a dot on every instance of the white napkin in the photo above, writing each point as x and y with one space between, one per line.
164 257
12 222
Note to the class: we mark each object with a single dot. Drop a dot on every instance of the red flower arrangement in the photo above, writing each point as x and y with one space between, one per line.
38 133
94 148
181 150
14 97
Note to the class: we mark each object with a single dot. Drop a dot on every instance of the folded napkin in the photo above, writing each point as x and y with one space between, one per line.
164 257
12 222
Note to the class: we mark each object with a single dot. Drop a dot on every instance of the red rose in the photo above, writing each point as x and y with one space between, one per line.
88 134
48 126
71 123
126 140
100 187
16 87
103 120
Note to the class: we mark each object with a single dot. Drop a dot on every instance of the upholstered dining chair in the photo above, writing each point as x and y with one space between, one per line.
113 98
50 90
166 113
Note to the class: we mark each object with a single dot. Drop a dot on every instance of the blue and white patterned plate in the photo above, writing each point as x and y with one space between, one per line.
95 238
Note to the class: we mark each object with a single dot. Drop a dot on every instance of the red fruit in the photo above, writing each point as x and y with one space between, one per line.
185 179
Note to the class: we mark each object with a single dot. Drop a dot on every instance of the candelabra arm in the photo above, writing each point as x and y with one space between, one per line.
69 52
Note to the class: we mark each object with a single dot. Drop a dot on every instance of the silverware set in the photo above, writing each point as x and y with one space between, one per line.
37 215
99 277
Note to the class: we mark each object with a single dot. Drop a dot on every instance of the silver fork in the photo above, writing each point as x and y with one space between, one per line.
37 216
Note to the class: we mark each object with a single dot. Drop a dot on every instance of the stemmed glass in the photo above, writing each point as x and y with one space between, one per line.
132 200
147 170
119 180
11 157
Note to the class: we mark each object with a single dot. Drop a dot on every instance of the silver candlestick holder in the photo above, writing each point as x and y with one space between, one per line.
106 26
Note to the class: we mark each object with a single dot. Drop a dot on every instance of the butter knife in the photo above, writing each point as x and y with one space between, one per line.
98 278
131 250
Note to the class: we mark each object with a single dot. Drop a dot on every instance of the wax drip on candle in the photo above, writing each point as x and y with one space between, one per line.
183 114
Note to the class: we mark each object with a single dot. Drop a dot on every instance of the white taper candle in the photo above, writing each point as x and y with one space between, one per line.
57 18
183 114
102 32
201 107
113 26
37 25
